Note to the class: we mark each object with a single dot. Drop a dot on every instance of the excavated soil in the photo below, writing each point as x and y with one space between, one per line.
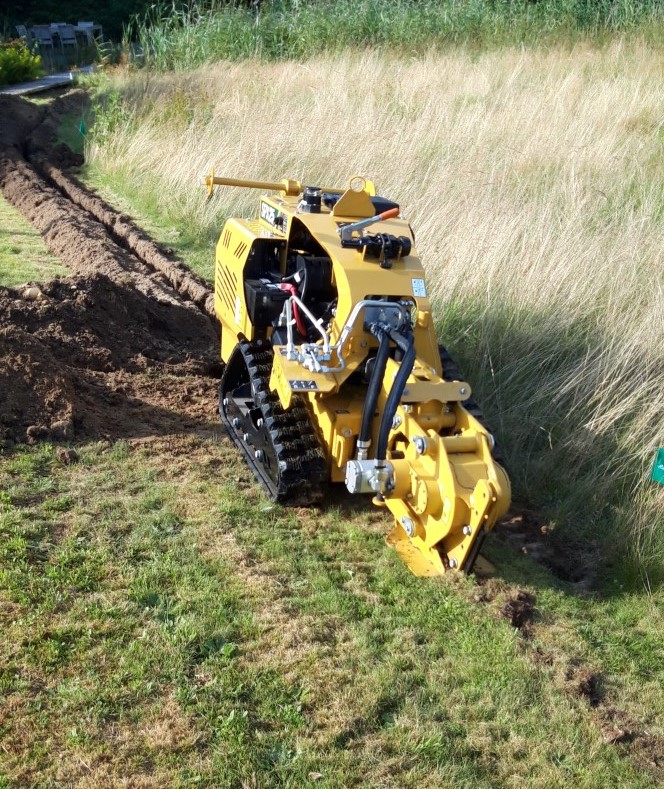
126 348
90 358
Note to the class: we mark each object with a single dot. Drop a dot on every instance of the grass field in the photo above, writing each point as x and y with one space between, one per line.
182 36
533 180
23 256
162 624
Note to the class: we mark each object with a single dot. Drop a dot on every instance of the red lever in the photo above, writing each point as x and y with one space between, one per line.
389 214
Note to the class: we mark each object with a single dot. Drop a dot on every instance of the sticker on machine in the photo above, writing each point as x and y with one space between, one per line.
238 309
419 288
303 385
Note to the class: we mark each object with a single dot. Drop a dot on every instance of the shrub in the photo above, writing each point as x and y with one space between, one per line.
17 63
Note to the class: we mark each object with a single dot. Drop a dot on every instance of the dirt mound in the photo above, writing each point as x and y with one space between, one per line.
124 349
18 119
39 145
93 357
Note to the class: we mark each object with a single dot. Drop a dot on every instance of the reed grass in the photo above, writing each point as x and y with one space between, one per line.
182 36
534 182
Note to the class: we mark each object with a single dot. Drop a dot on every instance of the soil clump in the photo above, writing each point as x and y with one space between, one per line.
126 348
94 358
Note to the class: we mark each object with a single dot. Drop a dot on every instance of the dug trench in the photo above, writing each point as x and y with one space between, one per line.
127 348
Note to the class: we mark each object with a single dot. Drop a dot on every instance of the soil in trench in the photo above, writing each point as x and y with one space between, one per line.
87 357
126 348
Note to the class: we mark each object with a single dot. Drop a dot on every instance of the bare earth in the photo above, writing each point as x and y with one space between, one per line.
127 348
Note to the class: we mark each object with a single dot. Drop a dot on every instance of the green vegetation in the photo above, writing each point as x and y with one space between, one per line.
17 63
23 256
162 624
177 36
155 623
540 233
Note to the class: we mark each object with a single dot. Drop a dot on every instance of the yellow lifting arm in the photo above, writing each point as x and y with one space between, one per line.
287 186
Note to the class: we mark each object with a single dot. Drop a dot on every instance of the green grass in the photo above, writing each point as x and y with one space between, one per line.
154 213
540 234
73 130
183 36
601 499
156 623
23 256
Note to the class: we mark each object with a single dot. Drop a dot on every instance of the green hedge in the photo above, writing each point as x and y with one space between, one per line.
17 63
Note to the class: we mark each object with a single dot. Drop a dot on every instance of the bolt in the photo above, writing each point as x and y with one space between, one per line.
396 421
258 454
245 436
467 530
408 525
236 422
453 564
283 466
462 390
226 401
259 423
420 444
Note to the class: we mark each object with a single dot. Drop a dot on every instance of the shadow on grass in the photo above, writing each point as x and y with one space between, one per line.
568 404
575 413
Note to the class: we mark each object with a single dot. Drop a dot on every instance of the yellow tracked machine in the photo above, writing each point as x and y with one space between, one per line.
333 372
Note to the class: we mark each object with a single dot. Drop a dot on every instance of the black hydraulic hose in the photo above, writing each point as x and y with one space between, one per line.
375 383
407 344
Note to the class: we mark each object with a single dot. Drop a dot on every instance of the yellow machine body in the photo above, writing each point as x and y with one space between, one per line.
439 479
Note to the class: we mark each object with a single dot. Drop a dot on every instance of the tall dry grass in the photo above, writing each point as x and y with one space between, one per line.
534 181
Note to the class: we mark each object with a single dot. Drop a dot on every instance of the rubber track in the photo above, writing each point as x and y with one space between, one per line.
294 444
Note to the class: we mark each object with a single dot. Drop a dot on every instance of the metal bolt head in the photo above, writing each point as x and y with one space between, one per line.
408 525
463 390
226 401
396 421
467 530
236 422
259 423
453 564
259 455
245 436
283 466
420 444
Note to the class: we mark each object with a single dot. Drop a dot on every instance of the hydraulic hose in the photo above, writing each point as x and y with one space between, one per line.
299 322
407 344
375 383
